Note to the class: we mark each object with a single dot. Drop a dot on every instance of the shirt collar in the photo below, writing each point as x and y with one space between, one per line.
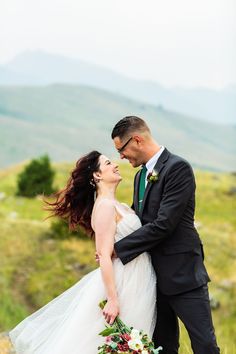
153 160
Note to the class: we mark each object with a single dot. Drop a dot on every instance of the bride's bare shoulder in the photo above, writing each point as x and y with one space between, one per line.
104 203
103 209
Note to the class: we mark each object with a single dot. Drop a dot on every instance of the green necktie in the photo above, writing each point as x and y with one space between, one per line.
142 185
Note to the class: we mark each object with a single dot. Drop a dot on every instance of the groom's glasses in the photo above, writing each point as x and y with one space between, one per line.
120 150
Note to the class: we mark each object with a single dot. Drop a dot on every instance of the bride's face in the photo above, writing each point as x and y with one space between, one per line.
109 171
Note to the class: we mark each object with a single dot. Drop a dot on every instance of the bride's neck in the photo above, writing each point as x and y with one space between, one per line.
107 192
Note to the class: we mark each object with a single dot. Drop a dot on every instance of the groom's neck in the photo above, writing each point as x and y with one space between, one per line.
150 149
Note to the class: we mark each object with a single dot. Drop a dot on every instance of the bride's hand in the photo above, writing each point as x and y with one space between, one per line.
111 311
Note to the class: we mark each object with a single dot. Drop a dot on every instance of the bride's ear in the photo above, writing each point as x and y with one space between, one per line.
96 177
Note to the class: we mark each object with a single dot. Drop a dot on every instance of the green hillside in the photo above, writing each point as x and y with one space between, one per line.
67 120
35 267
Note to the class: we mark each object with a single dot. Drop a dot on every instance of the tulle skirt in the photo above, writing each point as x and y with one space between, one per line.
71 322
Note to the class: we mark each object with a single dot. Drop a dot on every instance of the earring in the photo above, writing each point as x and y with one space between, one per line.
91 182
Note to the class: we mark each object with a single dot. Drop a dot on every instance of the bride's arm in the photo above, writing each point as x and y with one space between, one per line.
105 228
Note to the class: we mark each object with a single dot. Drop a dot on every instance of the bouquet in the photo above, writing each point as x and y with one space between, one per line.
119 338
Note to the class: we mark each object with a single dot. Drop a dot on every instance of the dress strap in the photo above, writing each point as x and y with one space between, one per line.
123 209
119 209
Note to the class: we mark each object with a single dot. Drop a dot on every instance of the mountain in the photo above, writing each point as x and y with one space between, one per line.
68 120
39 68
11 77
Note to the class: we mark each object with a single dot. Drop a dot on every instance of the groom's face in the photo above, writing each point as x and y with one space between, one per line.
129 149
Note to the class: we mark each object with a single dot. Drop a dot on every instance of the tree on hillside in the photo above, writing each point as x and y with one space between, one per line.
36 178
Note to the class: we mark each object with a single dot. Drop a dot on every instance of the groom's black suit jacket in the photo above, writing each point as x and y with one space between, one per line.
168 231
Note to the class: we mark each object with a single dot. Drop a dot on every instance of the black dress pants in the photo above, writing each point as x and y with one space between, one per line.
193 309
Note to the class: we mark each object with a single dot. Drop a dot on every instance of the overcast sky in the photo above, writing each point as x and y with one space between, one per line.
175 42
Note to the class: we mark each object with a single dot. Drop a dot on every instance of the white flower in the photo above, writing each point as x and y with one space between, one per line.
153 176
135 334
144 351
154 173
135 344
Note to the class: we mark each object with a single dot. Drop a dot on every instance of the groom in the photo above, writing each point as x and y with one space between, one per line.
164 199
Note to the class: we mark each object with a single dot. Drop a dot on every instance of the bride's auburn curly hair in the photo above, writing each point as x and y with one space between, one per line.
75 202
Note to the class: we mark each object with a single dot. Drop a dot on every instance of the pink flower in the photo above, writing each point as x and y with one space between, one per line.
108 339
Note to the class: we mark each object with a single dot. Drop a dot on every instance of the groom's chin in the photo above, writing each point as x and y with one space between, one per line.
134 164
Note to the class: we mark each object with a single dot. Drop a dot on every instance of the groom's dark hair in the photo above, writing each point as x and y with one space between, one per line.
128 125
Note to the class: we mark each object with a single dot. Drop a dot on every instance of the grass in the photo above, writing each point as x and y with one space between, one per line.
35 268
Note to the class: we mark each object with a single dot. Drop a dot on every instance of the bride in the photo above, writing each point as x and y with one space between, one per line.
71 322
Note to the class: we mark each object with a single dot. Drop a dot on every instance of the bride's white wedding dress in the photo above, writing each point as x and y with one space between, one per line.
70 323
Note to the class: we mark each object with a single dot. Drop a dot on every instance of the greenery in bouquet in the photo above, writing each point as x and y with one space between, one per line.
119 338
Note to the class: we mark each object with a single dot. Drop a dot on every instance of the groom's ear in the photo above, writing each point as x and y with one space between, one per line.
138 138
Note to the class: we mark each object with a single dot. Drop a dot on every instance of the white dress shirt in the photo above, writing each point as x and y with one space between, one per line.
152 162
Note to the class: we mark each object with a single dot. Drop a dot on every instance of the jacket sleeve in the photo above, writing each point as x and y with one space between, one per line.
179 186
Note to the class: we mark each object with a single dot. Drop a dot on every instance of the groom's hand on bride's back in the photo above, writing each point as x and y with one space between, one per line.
114 255
97 258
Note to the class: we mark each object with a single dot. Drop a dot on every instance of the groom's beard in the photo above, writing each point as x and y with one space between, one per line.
133 161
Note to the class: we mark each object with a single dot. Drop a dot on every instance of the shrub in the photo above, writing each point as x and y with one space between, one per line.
59 230
36 178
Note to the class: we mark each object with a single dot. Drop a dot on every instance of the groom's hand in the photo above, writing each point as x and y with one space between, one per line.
97 258
114 255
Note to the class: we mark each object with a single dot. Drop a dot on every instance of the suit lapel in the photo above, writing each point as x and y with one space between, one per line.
158 167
